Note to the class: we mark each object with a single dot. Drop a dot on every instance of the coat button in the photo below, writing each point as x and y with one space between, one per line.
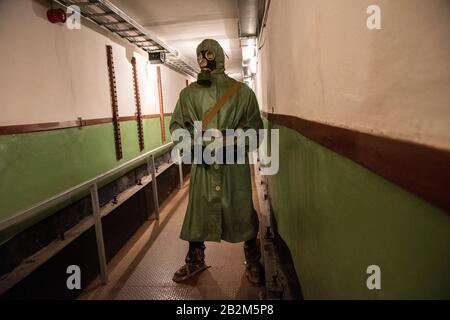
218 188
216 166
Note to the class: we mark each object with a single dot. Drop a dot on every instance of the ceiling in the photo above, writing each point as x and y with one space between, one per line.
184 24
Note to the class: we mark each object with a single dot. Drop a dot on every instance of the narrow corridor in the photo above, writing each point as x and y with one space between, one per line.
144 267
344 104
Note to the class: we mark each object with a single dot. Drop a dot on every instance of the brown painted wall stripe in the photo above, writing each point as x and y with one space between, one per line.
47 126
127 118
35 127
151 116
420 169
93 122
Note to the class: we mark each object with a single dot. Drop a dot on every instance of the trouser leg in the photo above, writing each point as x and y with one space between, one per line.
195 262
196 252
252 251
253 268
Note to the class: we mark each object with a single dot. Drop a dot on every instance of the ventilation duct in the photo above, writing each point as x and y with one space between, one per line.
248 18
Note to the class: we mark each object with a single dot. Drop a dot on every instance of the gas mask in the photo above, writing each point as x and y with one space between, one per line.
207 62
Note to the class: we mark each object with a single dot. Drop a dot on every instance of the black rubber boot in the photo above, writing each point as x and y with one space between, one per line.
253 268
195 262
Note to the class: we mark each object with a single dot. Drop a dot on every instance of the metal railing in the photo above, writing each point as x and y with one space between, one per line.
92 186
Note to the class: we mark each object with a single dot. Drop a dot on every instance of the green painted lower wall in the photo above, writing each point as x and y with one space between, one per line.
338 218
36 166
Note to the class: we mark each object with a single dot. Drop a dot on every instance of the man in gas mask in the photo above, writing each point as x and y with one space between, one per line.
220 198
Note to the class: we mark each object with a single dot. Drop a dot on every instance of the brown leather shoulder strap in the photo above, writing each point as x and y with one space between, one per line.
214 110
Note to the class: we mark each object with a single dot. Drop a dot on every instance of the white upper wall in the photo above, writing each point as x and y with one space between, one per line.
172 82
320 62
148 85
50 73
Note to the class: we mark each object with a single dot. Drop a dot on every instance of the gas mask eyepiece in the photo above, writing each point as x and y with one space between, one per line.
207 62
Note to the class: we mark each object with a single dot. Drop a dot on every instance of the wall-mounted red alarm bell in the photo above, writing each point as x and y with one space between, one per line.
56 15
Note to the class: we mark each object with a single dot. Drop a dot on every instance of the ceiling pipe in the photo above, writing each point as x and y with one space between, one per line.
249 22
264 16
248 18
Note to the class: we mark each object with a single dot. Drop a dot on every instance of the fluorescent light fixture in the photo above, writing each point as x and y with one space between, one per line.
248 52
253 65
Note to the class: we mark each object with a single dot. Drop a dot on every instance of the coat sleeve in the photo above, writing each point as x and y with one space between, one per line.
252 117
179 119
253 114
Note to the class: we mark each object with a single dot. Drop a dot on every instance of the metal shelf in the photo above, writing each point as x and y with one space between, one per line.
111 18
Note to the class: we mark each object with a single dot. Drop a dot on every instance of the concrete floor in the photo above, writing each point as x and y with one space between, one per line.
143 269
